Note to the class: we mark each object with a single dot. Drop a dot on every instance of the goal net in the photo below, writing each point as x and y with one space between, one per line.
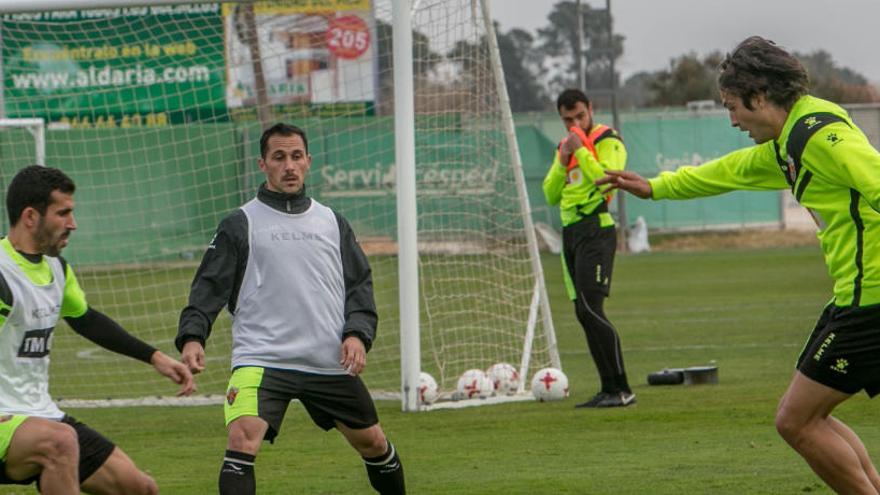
156 113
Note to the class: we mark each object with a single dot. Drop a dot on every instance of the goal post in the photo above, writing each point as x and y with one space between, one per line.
540 301
36 128
27 146
475 39
156 109
407 205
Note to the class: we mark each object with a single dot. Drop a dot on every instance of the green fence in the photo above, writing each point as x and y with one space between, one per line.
157 194
150 194
656 142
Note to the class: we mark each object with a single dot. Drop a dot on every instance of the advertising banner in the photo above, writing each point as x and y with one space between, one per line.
118 67
317 57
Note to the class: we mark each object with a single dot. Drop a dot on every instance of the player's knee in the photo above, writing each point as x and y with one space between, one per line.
379 445
372 445
138 484
241 443
242 439
788 426
61 447
149 486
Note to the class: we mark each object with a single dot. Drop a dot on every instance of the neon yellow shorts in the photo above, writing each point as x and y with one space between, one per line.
241 394
8 424
329 399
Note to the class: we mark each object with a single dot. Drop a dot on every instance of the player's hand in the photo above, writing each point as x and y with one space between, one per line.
572 143
193 356
175 370
354 355
630 182
563 155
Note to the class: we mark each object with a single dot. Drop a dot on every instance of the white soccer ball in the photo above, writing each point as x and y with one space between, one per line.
505 378
427 389
549 384
474 384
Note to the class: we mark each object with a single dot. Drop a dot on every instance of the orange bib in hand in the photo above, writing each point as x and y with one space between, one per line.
590 143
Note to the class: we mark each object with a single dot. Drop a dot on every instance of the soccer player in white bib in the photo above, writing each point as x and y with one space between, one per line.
39 442
300 292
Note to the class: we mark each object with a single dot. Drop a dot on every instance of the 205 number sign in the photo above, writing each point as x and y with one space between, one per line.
348 37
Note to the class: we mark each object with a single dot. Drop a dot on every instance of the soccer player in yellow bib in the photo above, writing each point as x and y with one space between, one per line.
812 147
39 442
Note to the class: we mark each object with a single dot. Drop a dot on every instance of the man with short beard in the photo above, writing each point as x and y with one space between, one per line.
300 291
589 237
39 442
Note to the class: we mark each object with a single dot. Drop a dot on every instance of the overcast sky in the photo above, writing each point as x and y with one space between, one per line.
659 30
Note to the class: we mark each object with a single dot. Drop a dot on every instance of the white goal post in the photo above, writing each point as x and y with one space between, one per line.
35 151
156 109
36 128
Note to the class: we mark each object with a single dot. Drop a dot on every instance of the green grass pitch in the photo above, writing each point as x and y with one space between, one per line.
749 311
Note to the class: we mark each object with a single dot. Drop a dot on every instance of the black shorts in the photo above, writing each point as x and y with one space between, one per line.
843 352
94 449
266 392
589 250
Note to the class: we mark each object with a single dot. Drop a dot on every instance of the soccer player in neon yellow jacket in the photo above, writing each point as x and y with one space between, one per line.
812 147
589 238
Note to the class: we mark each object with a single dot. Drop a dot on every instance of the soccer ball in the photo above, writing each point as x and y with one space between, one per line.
505 378
549 384
427 389
473 384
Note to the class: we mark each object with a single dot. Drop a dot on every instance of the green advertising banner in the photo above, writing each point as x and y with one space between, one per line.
120 67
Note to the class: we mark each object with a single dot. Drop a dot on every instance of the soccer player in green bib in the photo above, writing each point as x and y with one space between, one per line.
812 147
39 442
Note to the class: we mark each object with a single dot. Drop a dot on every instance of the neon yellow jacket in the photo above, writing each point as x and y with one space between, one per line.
574 191
838 181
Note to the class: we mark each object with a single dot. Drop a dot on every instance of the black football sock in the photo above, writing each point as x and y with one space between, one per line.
237 474
386 472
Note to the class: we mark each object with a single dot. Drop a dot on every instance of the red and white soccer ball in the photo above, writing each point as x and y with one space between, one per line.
474 384
505 378
427 389
549 384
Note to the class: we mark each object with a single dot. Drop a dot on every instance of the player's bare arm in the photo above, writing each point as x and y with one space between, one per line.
193 356
354 355
174 370
630 182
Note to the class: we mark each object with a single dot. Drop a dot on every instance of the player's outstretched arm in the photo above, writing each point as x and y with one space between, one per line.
630 182
193 356
174 370
107 333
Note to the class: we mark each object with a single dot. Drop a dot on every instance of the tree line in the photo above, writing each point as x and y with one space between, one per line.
537 67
